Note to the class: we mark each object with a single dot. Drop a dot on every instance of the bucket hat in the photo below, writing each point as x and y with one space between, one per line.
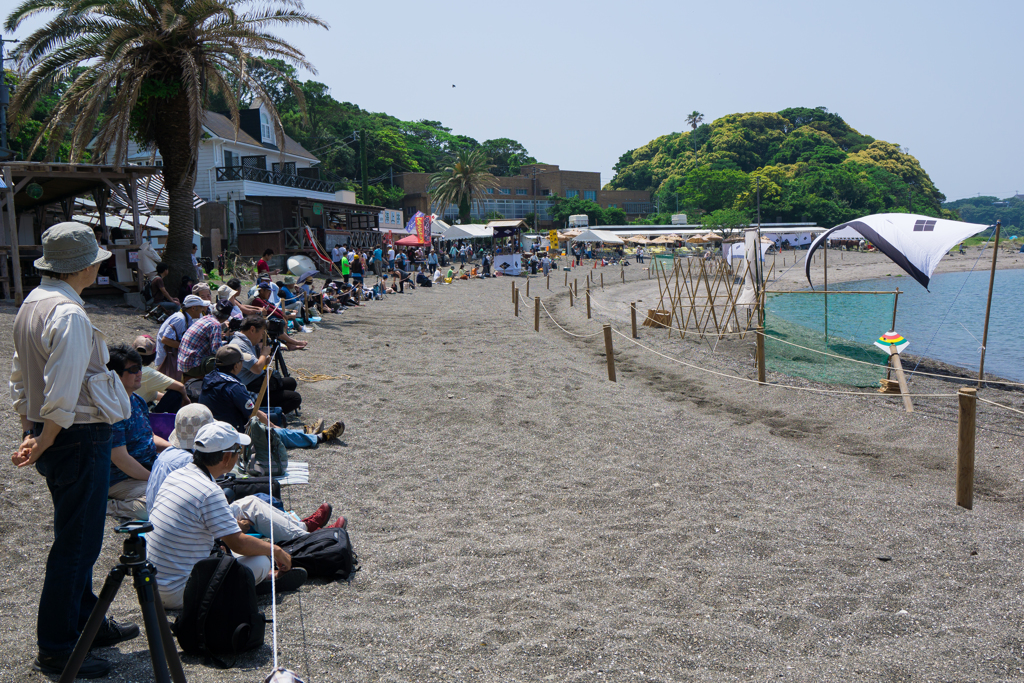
187 423
224 292
70 247
289 280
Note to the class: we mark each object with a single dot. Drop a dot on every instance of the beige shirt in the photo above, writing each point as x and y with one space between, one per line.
56 348
153 382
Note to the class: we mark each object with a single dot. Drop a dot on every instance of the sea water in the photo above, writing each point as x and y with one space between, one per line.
944 322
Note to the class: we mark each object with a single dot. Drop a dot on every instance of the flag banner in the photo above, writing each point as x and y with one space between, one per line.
316 247
420 219
410 227
427 222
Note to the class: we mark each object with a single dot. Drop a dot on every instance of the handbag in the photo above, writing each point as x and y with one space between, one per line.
109 399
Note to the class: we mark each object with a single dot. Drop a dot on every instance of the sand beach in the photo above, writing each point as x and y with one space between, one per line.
519 517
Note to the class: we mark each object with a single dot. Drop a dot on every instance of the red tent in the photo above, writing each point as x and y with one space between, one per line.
410 241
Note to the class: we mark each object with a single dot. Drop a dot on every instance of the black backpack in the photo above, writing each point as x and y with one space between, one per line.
219 614
324 552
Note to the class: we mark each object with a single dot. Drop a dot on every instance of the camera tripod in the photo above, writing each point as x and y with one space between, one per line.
162 649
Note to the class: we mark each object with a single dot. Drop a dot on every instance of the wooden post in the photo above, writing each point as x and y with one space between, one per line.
527 287
12 226
965 447
588 304
622 271
632 317
513 290
609 352
761 370
988 306
576 286
517 303
602 279
549 282
570 297
133 197
895 358
536 314
566 278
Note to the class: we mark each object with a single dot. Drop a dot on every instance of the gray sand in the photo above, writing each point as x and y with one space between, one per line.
521 518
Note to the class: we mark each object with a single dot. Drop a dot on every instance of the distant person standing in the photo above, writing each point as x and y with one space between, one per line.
67 403
336 255
346 267
391 258
378 262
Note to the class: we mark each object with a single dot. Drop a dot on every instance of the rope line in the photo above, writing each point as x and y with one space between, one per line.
772 384
1004 407
551 317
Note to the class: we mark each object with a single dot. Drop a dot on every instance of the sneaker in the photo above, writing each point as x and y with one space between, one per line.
332 432
339 523
319 518
286 581
92 667
111 633
315 428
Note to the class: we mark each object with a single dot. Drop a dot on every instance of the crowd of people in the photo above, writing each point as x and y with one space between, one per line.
94 416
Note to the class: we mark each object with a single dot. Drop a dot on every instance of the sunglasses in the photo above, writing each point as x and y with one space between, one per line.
133 370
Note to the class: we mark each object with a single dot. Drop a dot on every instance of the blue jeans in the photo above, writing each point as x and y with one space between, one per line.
77 471
295 438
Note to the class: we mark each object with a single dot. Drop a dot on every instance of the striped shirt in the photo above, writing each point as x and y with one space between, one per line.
189 513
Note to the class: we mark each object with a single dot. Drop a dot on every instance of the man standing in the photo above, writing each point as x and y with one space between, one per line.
391 258
336 254
58 370
346 268
378 262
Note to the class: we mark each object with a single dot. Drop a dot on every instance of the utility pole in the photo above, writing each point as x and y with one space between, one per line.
362 158
5 99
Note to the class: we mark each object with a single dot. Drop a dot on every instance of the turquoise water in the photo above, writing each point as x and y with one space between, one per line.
922 318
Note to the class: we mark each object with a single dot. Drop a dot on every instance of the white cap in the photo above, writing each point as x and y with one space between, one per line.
219 436
193 300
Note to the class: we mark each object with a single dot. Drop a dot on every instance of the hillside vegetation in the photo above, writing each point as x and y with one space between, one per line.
810 164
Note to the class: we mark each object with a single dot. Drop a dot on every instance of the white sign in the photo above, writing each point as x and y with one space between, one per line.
508 264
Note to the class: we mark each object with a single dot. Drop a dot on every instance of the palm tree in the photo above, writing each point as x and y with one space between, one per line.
143 70
694 120
461 183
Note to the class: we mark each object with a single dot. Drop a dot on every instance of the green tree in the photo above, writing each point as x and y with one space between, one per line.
614 216
563 207
726 221
461 183
506 156
146 71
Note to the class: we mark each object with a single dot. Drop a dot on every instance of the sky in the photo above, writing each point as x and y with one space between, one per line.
579 83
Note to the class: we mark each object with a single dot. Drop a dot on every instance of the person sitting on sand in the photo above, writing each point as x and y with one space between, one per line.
450 275
422 279
167 394
463 275
133 445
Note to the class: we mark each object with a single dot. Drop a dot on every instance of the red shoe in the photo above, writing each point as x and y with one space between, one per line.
319 518
339 523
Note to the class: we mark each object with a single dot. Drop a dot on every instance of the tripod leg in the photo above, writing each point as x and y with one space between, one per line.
92 626
145 586
170 647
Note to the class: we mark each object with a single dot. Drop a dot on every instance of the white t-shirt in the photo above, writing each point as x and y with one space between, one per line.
391 254
336 254
189 513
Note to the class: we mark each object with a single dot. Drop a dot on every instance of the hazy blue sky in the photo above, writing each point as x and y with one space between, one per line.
579 83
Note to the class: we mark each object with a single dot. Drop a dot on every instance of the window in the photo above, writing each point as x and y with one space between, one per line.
504 190
612 206
490 190
520 190
545 192
229 159
572 193
266 130
590 194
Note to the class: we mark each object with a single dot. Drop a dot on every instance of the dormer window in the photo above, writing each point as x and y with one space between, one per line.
266 130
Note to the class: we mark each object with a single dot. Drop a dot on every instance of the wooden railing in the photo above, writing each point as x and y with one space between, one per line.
261 175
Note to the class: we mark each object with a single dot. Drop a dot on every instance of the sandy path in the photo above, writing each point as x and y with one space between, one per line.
520 518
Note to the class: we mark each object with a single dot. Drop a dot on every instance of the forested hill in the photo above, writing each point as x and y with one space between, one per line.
811 164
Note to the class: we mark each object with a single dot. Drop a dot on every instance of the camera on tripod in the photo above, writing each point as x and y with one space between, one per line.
276 327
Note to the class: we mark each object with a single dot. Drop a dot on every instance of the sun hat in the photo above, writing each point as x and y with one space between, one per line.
228 355
199 287
219 436
193 300
144 344
225 292
187 423
70 247
289 280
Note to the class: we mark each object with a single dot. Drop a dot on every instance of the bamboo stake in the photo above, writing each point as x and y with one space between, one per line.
896 363
609 352
988 305
968 397
761 374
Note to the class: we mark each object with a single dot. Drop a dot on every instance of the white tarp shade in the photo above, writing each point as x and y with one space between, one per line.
914 243
598 236
508 264
469 231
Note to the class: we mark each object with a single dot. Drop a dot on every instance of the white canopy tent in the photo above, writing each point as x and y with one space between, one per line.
598 236
470 231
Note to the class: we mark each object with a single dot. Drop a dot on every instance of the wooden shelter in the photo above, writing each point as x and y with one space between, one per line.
36 195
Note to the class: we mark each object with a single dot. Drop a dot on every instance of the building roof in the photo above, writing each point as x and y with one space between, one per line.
221 126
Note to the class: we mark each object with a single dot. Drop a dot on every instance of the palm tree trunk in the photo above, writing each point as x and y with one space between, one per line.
174 141
464 209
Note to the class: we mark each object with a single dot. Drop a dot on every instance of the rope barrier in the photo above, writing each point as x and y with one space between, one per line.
1004 407
772 384
578 336
309 376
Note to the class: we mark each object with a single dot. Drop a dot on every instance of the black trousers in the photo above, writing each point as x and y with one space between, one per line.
282 392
